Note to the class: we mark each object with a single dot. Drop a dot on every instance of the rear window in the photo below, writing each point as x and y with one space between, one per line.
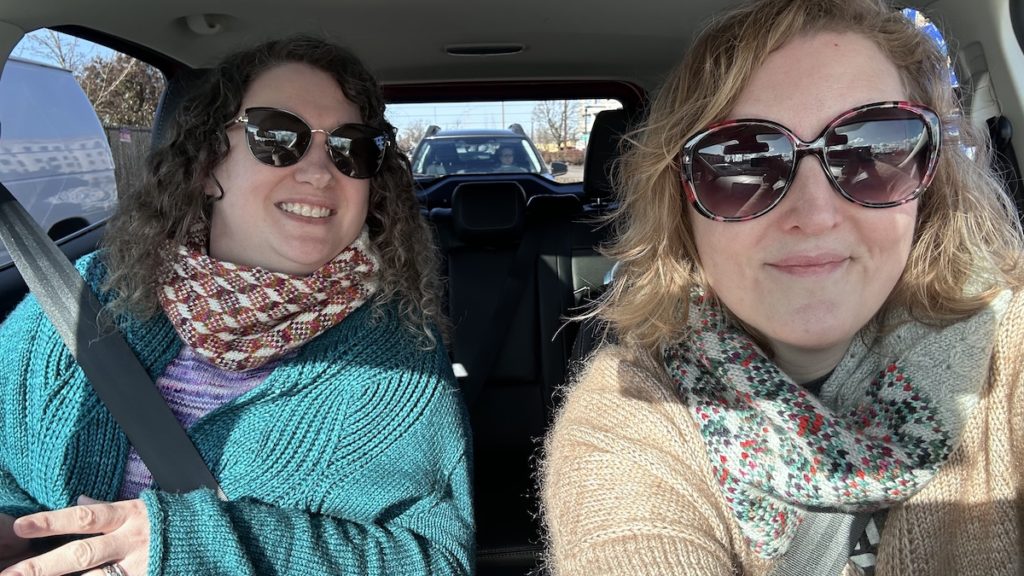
545 137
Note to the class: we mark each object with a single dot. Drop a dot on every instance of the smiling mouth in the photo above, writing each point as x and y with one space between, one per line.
306 210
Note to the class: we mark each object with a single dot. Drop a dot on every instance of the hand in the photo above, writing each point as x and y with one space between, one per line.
13 548
122 530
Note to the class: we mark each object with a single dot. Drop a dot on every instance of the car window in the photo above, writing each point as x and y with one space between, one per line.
544 137
928 27
74 128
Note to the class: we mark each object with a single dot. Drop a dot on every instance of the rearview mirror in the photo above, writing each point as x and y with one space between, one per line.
558 168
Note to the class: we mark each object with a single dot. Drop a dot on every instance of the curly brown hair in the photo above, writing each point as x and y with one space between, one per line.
967 244
172 198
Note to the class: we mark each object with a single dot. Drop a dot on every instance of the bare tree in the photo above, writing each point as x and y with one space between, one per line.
55 48
558 120
124 91
411 136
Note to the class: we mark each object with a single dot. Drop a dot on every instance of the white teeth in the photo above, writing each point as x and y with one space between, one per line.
305 210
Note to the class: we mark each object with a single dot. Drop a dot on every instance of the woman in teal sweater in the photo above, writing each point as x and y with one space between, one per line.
279 287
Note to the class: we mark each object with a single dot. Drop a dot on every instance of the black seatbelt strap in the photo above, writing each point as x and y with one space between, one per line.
822 544
1004 159
109 364
484 352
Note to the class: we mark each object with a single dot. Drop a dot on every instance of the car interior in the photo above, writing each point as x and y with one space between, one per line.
521 253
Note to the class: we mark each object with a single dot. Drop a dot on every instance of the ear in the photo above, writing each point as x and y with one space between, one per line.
214 190
223 144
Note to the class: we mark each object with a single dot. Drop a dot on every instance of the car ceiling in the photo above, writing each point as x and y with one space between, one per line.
405 41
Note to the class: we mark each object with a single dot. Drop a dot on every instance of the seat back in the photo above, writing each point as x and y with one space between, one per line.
603 150
184 82
591 269
480 237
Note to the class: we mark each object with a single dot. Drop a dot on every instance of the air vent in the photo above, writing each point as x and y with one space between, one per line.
483 49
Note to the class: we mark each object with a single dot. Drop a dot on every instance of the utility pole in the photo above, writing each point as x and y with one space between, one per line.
565 122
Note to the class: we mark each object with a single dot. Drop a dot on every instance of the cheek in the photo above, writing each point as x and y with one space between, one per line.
358 199
354 208
889 238
237 171
722 249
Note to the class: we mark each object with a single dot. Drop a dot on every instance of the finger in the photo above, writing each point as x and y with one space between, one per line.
71 558
92 519
84 500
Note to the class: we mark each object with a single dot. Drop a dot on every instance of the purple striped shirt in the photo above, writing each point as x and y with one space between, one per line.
192 387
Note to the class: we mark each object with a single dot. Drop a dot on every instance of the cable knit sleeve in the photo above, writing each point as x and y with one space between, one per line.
198 534
17 335
390 494
13 500
627 487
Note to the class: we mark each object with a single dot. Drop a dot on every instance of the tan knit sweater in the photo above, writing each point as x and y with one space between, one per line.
627 485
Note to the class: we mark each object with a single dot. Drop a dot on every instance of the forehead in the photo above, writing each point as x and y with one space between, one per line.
813 78
308 91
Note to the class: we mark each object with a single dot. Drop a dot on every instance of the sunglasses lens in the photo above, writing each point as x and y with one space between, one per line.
740 171
357 150
276 137
880 156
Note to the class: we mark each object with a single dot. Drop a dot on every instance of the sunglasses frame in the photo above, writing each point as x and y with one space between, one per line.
816 148
383 135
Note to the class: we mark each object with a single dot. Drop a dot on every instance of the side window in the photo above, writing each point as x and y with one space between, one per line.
75 119
928 27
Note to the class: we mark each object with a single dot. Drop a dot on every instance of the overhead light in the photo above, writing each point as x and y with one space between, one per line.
483 49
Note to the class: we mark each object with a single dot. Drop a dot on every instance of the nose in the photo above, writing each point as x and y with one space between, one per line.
316 166
811 205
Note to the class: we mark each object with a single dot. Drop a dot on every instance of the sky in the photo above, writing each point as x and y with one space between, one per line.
462 114
28 50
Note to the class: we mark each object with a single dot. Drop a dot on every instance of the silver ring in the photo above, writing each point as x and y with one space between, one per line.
113 569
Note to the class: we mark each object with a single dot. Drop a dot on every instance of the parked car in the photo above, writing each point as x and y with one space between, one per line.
449 50
54 155
511 151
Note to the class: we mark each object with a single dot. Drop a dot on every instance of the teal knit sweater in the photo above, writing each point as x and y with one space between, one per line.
352 457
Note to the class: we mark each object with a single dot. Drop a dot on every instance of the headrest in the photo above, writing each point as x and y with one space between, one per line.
445 151
602 151
179 86
488 212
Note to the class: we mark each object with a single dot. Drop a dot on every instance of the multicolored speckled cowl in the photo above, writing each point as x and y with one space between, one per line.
887 418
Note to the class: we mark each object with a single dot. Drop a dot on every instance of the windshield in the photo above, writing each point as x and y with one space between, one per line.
476 155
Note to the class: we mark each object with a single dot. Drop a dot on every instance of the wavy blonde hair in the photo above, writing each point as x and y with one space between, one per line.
172 197
967 227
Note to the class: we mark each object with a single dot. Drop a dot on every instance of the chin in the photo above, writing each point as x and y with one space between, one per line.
305 258
307 268
816 336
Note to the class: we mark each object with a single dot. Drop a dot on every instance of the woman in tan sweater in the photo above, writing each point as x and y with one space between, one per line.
798 336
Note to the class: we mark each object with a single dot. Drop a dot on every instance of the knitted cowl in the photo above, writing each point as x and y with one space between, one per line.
886 419
241 317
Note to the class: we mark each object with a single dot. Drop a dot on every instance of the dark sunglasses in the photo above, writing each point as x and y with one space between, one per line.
280 138
878 155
